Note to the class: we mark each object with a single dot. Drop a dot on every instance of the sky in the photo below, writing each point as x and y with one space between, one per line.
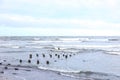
59 17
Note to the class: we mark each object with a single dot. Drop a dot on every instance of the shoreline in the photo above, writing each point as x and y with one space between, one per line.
26 73
33 73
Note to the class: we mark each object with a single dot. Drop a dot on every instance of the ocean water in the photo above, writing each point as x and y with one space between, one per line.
85 55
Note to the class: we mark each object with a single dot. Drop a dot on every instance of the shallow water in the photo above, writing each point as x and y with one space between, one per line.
64 54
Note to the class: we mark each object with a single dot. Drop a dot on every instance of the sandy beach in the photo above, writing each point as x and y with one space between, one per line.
25 73
19 72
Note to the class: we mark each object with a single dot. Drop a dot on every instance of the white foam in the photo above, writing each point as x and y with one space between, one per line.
72 76
16 47
101 40
56 69
114 52
86 46
69 39
39 47
10 46
40 41
36 39
82 39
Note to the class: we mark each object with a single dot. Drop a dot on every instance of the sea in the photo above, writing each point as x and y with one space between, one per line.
73 56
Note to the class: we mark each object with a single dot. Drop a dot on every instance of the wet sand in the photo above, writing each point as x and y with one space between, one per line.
20 71
3 77
33 73
26 73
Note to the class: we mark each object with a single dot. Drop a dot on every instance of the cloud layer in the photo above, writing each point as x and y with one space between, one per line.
86 17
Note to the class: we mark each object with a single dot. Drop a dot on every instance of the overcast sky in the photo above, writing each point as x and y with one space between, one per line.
59 17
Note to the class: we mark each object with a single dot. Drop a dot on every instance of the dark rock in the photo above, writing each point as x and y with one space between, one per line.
2 72
8 64
4 60
66 56
43 55
58 56
20 61
55 54
6 67
0 63
16 69
47 62
50 56
29 61
37 55
30 56
38 62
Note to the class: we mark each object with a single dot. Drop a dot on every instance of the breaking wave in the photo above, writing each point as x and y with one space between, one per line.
92 75
84 74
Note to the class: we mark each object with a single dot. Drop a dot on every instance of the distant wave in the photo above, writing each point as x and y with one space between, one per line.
99 40
113 52
67 49
16 47
41 41
83 39
10 46
113 39
38 40
34 47
85 46
69 39
78 39
89 39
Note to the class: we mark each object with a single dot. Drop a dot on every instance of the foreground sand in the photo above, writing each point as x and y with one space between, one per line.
20 72
3 77
31 74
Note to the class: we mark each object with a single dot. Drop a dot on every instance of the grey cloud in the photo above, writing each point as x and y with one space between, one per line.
14 23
